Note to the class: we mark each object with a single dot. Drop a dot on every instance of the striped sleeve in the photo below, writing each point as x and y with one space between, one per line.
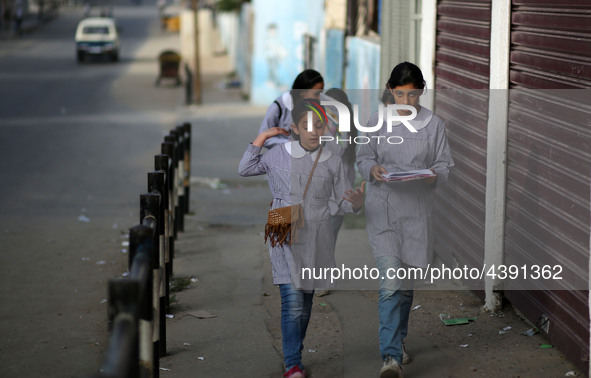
252 163
367 156
273 119
340 186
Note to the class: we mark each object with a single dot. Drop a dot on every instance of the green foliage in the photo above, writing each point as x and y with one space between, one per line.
179 283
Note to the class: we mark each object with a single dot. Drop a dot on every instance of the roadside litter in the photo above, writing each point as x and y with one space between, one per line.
504 330
530 332
200 314
448 321
212 182
83 218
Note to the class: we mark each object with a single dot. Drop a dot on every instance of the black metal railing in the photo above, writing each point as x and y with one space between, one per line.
138 302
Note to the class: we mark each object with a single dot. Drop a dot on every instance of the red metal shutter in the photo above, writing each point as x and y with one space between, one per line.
461 100
549 162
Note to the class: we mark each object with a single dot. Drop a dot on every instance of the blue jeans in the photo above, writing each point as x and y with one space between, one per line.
296 306
393 308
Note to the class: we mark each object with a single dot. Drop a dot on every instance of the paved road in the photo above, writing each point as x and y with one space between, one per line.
75 140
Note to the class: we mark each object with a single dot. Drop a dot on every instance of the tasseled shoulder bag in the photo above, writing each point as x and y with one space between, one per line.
283 222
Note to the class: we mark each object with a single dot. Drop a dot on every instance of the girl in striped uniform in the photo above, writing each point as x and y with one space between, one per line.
399 214
308 84
288 167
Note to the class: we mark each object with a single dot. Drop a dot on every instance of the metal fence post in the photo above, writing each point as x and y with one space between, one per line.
187 163
168 149
141 242
171 138
121 359
188 85
180 151
162 164
157 185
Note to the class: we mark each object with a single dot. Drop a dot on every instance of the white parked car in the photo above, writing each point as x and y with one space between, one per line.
97 36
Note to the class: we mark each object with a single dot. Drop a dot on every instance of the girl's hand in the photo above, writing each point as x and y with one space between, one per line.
269 133
356 197
431 180
377 171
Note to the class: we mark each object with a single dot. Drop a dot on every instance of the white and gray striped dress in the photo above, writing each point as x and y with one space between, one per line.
398 214
288 167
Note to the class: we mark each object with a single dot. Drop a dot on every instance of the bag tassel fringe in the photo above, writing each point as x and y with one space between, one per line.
282 233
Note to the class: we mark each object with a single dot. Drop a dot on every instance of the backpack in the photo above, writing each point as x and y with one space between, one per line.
280 109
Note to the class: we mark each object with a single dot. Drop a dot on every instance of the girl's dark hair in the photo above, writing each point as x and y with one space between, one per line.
406 73
341 96
387 97
305 80
303 107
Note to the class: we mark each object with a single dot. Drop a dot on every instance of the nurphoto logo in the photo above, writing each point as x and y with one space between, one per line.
390 113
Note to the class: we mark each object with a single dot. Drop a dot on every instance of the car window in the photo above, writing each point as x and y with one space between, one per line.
96 30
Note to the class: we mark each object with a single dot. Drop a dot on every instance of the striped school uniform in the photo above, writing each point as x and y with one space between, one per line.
399 214
287 167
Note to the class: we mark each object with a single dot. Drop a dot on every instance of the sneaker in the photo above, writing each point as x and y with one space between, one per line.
391 369
295 372
405 356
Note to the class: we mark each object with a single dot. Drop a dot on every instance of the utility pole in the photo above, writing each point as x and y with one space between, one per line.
197 70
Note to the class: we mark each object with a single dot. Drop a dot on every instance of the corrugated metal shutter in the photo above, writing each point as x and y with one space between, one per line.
461 100
549 160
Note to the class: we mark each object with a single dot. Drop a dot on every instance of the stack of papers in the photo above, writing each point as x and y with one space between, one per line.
408 175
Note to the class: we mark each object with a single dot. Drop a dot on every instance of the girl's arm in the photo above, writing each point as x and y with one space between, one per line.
347 199
272 119
356 197
251 164
367 158
268 134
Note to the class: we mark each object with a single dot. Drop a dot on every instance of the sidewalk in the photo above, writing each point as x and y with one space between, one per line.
31 22
226 323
